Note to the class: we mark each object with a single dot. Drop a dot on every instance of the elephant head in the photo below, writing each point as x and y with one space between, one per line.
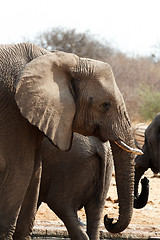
150 159
61 93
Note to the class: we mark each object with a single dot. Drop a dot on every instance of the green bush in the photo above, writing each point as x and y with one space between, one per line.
149 104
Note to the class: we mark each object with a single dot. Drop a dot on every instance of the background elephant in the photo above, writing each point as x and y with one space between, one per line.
55 94
150 159
83 180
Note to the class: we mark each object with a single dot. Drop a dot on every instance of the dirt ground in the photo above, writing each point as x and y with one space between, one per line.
146 219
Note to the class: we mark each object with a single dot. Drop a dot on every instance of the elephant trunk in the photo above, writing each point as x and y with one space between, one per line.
124 171
141 200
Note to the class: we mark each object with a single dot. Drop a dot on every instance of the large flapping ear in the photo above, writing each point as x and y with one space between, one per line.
44 98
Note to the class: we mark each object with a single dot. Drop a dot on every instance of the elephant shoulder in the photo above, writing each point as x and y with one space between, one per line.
35 50
93 146
81 144
104 150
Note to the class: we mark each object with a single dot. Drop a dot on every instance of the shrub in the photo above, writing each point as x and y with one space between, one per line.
149 104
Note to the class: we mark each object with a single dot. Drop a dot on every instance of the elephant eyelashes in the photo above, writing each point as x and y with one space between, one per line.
105 106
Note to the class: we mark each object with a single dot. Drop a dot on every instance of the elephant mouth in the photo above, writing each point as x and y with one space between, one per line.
155 170
127 148
119 142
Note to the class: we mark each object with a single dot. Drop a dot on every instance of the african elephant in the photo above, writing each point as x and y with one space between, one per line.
150 159
83 181
55 94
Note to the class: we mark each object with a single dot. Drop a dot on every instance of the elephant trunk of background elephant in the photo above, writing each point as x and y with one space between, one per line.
124 172
140 200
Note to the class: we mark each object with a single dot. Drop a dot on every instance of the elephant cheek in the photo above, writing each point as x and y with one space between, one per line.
80 126
83 124
143 161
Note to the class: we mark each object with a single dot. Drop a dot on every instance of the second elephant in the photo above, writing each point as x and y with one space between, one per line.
150 159
76 178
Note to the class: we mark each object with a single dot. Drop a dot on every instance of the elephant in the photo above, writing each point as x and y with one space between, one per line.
150 159
82 182
53 95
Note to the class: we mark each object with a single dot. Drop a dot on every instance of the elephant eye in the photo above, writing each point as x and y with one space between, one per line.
105 106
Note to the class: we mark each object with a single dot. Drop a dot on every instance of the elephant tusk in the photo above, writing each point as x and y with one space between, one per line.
125 147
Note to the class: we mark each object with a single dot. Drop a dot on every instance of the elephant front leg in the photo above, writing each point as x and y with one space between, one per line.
75 230
93 213
29 207
12 192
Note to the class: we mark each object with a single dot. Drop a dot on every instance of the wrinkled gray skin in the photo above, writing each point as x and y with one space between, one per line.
83 181
55 94
150 158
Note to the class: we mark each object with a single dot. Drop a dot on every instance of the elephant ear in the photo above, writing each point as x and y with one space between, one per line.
44 97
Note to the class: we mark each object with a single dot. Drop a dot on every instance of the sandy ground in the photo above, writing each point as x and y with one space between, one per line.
146 219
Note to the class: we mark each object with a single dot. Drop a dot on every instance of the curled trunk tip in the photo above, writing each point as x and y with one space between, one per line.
114 227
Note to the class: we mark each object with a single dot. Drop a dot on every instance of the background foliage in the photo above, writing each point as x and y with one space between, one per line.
138 78
150 101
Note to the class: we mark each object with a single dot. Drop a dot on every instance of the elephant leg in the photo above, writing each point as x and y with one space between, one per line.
29 205
75 230
94 207
70 219
12 192
93 213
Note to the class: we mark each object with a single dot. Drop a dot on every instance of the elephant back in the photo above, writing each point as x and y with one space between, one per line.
13 59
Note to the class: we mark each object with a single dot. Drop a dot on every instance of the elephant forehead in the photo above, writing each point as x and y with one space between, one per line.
100 93
108 84
107 87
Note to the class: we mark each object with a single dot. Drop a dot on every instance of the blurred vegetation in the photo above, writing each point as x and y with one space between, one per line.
149 102
138 78
68 40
